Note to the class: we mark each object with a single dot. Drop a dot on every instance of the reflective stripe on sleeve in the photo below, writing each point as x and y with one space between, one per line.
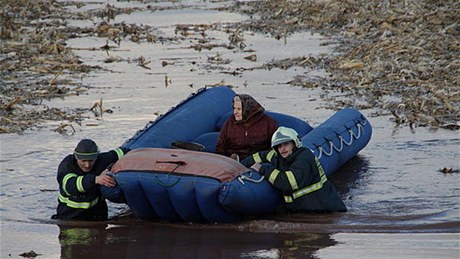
310 188
257 158
270 155
306 190
320 168
273 176
78 205
292 181
64 182
80 184
119 152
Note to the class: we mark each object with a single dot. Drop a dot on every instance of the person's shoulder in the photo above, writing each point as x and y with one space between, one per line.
68 158
306 152
108 153
229 121
66 161
268 117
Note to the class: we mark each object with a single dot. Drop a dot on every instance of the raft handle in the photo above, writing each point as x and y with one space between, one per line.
163 184
241 178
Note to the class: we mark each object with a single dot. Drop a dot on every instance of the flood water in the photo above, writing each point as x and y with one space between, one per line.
399 204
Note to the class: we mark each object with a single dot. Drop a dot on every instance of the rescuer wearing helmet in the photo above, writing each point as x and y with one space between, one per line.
297 173
79 176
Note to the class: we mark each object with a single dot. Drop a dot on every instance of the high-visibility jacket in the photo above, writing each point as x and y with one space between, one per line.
79 195
301 179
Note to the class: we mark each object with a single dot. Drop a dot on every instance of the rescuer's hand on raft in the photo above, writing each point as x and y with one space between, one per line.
105 179
256 167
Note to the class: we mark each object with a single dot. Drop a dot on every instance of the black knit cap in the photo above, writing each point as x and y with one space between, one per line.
86 150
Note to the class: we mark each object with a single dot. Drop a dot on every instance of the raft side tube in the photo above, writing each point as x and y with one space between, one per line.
130 185
175 198
155 188
209 203
339 138
183 198
208 140
194 116
250 194
302 127
114 194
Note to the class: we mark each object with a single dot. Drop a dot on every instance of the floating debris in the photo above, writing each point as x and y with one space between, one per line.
398 56
62 128
397 50
30 254
35 64
142 62
252 57
98 109
217 59
168 80
448 170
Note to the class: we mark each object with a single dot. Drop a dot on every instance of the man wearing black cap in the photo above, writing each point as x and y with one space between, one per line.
79 176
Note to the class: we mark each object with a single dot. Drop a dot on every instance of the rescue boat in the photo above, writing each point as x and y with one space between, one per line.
173 174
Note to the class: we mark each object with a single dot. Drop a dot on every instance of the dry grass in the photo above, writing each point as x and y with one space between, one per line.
399 56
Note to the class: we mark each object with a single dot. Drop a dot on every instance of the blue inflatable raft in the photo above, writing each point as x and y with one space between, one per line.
159 181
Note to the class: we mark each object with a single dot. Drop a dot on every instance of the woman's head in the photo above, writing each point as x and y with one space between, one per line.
237 108
244 107
285 141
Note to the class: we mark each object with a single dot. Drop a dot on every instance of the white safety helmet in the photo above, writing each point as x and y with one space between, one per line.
283 135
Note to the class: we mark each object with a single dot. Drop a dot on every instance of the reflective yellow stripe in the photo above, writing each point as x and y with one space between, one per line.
270 155
311 188
257 158
84 236
306 190
119 152
320 168
86 154
80 184
292 181
288 199
78 205
64 182
273 176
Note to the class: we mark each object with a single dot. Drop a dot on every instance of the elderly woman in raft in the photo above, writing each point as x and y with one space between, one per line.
248 131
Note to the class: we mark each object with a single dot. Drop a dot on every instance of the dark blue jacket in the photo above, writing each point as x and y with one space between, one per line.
301 179
79 195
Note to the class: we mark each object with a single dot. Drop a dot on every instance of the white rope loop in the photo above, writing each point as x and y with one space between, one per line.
359 125
248 178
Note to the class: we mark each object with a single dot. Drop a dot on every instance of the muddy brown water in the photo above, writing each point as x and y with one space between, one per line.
400 205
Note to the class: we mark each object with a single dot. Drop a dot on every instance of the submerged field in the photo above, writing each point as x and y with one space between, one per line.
401 57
